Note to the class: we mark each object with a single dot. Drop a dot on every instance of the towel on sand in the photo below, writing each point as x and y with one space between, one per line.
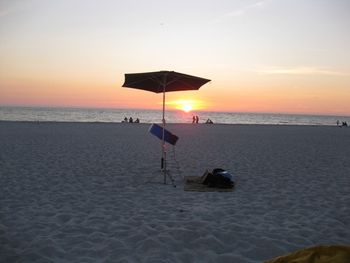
318 254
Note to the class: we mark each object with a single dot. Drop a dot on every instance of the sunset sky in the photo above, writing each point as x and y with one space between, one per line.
285 56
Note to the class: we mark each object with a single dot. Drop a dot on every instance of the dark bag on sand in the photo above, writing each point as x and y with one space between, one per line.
219 178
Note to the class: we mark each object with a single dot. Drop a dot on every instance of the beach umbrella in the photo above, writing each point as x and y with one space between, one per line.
162 82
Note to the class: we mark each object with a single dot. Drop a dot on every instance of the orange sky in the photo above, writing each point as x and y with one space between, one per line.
239 92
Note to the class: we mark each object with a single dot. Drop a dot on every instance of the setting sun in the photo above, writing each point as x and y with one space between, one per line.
186 105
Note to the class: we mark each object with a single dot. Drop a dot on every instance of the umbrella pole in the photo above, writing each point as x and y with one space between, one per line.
163 141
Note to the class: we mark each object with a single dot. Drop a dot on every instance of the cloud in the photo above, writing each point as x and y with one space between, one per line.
300 71
245 9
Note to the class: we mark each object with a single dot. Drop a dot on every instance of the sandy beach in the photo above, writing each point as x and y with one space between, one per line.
93 192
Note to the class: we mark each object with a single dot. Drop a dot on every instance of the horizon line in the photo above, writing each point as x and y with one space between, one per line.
174 110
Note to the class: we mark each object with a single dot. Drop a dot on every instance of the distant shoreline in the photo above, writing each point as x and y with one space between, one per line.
175 110
168 124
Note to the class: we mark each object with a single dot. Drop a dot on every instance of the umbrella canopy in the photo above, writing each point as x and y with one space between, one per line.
163 81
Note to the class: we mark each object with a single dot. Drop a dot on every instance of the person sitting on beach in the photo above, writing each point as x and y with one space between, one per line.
344 124
125 119
131 120
209 121
137 120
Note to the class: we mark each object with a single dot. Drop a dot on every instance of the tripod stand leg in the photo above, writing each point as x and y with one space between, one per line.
163 167
164 164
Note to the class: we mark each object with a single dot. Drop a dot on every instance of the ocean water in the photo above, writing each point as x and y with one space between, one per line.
155 116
